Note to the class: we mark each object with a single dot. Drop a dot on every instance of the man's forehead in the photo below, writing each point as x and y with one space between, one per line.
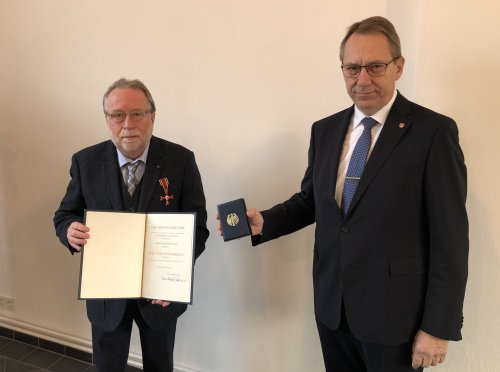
127 93
373 46
126 96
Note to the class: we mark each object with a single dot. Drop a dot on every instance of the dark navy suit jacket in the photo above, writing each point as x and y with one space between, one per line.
398 259
96 184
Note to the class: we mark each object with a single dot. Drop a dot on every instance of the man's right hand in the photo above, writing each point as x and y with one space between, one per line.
256 221
254 218
77 235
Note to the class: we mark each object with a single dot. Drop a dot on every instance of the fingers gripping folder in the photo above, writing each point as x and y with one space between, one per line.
233 219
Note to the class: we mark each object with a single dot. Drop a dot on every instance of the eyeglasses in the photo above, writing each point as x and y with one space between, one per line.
373 69
119 117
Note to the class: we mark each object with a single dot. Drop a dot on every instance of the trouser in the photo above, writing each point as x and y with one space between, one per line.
343 352
111 348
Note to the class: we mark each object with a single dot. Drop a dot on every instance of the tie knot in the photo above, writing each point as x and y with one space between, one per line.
369 122
133 166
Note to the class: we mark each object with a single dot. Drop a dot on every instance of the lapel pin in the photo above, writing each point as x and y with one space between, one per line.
401 125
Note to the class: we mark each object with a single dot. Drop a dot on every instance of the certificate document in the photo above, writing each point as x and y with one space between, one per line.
138 255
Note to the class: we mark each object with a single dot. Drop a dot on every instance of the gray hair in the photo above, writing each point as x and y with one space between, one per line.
373 25
133 84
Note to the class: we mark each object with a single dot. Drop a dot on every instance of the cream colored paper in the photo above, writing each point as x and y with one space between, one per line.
168 259
112 257
133 255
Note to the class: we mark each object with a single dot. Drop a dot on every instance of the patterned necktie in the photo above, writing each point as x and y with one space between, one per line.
131 180
357 163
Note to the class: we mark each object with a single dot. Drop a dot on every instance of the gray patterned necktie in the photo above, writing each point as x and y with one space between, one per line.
357 163
131 180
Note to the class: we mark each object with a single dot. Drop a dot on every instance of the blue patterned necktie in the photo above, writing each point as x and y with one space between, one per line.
357 163
131 180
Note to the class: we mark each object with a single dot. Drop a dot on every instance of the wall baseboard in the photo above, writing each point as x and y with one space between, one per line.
178 368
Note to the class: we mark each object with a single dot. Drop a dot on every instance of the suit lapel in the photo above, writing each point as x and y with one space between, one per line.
113 177
395 127
151 175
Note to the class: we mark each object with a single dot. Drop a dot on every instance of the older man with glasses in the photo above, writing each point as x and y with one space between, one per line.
130 173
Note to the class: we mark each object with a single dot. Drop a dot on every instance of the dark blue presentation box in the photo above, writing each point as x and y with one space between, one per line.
233 219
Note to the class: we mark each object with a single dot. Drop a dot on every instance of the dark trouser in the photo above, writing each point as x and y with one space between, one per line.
111 348
342 352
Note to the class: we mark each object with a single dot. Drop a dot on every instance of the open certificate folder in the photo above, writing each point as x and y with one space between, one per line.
138 255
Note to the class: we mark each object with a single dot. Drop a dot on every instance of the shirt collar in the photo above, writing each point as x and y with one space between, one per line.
122 159
381 115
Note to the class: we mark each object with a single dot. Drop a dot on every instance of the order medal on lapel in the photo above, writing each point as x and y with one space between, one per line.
167 198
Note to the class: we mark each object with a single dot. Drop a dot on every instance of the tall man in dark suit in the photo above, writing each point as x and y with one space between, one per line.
134 171
391 248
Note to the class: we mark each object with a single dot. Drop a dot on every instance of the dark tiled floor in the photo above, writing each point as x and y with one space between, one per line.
17 356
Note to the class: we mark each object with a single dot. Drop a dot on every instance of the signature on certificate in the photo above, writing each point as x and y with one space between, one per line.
175 279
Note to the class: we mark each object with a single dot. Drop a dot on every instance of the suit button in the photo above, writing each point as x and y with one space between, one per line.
345 229
131 209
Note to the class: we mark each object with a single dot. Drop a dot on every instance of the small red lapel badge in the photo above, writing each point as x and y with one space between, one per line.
167 198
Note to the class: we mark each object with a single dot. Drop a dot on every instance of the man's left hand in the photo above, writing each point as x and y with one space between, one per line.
428 350
160 302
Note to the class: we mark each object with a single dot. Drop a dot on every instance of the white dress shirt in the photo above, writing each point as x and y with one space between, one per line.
354 131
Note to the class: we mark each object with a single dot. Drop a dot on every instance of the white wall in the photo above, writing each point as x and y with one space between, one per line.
456 75
239 83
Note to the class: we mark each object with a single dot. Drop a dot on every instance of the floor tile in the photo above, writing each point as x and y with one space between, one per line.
68 365
4 341
16 350
16 356
12 365
41 358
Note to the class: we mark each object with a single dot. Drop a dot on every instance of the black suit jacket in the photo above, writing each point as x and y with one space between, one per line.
398 259
96 184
